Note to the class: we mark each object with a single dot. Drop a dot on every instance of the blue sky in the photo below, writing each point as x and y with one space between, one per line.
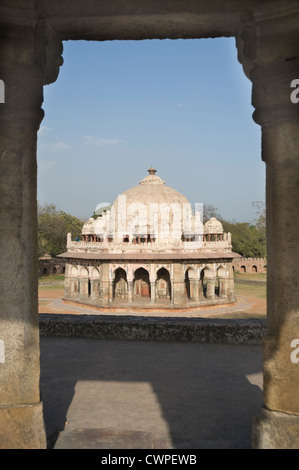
182 106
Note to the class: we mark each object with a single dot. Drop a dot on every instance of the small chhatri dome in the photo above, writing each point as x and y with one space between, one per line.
152 178
213 226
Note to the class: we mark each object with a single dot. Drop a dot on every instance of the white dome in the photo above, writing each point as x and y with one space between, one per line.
151 206
149 211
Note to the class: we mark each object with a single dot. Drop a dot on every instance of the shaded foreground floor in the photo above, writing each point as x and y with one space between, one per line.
106 394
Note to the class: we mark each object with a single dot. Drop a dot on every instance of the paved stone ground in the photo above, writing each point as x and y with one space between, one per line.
109 394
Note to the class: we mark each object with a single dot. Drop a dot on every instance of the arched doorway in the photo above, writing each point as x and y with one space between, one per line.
120 285
141 284
163 284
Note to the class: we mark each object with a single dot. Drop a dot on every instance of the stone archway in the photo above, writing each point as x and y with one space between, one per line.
120 284
141 284
267 43
163 285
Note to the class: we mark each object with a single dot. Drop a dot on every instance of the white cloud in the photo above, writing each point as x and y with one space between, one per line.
43 130
100 141
60 146
46 165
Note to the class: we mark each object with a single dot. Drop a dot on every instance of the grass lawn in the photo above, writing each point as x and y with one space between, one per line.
53 278
251 276
252 290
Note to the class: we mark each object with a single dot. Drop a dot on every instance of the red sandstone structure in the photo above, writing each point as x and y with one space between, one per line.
250 265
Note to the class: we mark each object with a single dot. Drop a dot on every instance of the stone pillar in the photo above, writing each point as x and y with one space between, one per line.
104 285
178 285
130 292
83 288
24 63
210 289
75 287
153 292
231 285
196 289
94 284
110 291
67 280
200 289
171 291
222 287
270 60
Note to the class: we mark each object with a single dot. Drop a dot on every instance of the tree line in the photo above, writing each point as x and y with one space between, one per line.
53 227
248 238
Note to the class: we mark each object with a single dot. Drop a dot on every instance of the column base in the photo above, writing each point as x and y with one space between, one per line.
275 430
22 427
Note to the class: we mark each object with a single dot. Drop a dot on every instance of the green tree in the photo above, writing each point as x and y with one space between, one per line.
247 239
53 227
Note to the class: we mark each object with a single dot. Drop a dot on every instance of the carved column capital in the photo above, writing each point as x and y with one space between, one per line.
30 57
272 93
48 51
270 60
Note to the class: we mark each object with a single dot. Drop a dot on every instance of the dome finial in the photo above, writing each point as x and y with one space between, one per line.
152 170
152 178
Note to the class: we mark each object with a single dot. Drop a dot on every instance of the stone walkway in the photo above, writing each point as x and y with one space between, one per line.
106 394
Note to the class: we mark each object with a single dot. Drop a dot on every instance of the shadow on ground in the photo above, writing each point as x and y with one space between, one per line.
141 395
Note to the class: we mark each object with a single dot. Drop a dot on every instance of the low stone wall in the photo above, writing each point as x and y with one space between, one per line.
52 283
153 329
